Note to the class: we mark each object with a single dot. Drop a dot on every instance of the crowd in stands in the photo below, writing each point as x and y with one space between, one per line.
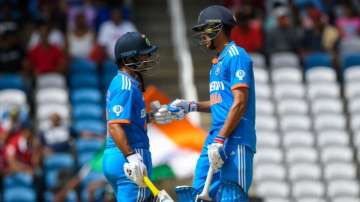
55 56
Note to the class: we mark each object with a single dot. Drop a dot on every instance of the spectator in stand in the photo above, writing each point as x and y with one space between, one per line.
247 33
87 9
56 138
284 37
46 57
111 30
349 23
21 152
322 36
55 36
81 39
11 52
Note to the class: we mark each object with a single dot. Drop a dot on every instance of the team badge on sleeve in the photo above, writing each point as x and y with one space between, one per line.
240 74
118 109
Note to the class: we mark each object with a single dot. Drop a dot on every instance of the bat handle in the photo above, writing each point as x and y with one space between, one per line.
151 186
205 191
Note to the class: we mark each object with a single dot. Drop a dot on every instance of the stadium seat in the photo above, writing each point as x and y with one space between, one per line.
12 81
59 161
349 188
264 106
90 111
311 199
263 91
352 90
292 107
323 90
301 155
268 155
354 105
84 81
333 171
12 97
70 197
329 121
266 122
357 139
267 172
328 138
349 46
355 122
327 105
19 194
336 154
351 60
267 139
44 111
51 80
286 75
346 199
84 158
258 60
261 75
80 66
317 59
18 180
320 74
298 139
86 95
271 199
285 59
93 126
283 91
52 95
273 189
99 194
311 188
304 171
88 145
352 73
295 122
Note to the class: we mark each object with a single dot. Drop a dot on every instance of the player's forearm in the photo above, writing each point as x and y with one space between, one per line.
233 119
119 136
203 106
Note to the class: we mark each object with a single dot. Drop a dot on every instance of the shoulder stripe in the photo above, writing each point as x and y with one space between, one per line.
123 82
129 83
231 53
236 50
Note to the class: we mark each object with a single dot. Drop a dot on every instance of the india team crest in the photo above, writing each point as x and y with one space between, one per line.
118 109
240 74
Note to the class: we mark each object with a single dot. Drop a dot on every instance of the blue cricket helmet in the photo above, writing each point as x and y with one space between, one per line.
212 15
133 44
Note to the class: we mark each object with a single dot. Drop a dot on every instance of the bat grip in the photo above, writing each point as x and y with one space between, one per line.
151 186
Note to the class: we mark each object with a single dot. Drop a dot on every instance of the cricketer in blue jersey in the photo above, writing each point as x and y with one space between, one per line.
231 143
126 155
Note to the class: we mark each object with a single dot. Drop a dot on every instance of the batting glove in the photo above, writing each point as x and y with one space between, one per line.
135 169
216 153
187 106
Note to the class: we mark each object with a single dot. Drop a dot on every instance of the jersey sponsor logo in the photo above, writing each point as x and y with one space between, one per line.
216 86
215 98
118 109
240 74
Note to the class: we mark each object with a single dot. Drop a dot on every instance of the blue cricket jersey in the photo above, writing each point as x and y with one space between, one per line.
233 69
125 104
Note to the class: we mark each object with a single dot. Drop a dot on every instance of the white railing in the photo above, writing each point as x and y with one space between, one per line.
182 54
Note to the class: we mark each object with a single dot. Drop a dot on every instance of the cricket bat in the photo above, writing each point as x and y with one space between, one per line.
162 195
204 195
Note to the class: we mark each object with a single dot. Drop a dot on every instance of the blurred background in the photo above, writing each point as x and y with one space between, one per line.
56 61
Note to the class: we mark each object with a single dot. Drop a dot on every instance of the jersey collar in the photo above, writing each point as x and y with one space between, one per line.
224 52
129 76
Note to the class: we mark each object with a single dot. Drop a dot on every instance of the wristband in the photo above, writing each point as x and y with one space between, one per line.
193 106
219 139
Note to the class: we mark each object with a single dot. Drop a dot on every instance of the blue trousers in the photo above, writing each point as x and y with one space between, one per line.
125 190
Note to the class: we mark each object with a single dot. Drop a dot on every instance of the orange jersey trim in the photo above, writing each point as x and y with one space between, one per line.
240 85
122 121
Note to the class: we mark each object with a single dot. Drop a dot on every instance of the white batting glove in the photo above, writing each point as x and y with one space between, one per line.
216 153
187 106
135 169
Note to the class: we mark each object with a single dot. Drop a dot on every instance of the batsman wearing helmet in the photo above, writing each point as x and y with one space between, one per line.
230 146
126 156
